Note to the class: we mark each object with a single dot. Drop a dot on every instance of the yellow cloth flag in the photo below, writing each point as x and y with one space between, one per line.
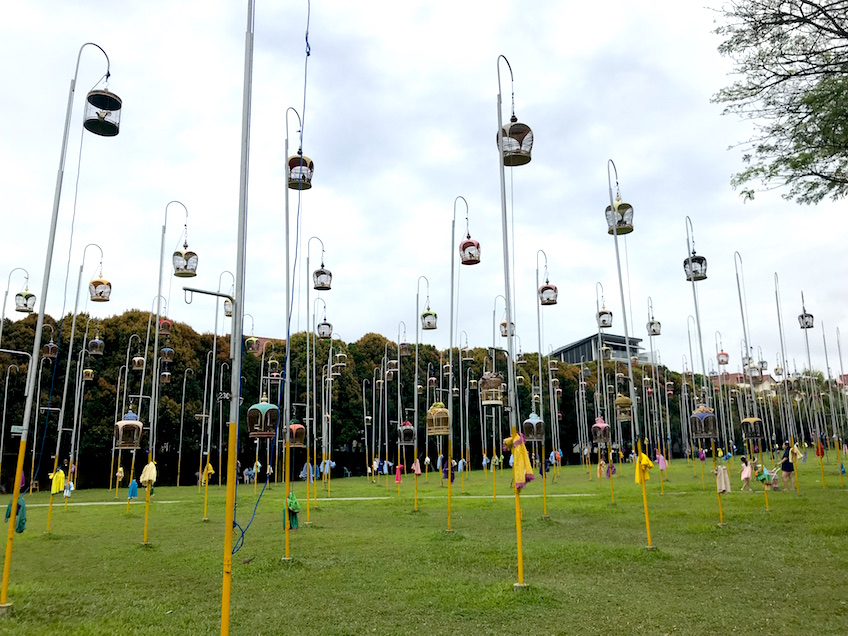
207 472
58 483
522 470
643 465
148 475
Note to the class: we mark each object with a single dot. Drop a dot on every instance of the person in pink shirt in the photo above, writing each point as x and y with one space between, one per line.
745 473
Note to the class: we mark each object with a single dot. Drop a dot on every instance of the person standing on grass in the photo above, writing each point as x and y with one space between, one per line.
787 467
745 474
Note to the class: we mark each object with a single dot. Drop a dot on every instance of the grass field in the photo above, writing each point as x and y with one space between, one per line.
375 567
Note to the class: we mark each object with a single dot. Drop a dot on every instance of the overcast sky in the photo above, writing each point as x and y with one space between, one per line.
400 119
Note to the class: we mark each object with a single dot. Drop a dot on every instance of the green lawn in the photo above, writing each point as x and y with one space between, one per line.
374 566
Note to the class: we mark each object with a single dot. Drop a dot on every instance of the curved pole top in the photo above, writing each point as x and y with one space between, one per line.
735 255
718 338
299 121
418 287
610 162
598 284
509 66
186 372
322 302
178 203
322 248
690 248
164 302
650 308
9 368
47 325
15 270
495 304
688 318
252 324
221 275
86 250
79 56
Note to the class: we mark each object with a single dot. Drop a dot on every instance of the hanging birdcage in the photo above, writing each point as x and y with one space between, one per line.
703 423
102 114
695 268
654 327
558 392
601 433
406 434
533 428
87 374
519 380
251 343
50 350
438 420
428 320
472 384
262 419
297 434
138 363
467 355
299 171
604 317
606 352
623 408
128 432
669 388
619 222
504 329
341 359
752 428
405 349
432 382
96 346
99 290
228 308
723 358
552 365
806 320
165 377
322 278
517 142
165 327
469 251
166 354
491 389
24 301
548 294
185 262
324 330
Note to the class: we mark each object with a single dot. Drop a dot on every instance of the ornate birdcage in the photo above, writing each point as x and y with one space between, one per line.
324 330
405 349
604 317
504 329
438 420
534 428
669 388
429 320
548 294
601 432
695 267
102 114
519 380
606 352
469 251
517 142
723 358
24 301
322 278
251 343
432 382
555 382
341 360
654 327
138 363
185 262
262 419
558 392
406 434
552 366
50 350
165 327
472 384
703 423
128 432
467 355
491 389
297 434
420 389
275 378
623 408
99 290
96 346
752 428
166 354
806 320
165 377
620 221
299 171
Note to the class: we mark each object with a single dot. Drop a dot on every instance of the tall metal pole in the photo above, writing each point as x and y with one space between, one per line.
238 309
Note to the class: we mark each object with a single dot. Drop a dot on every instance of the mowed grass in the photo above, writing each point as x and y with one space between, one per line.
376 567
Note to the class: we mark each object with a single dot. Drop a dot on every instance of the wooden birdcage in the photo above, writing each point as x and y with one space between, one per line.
262 419
491 389
601 433
297 435
752 428
703 423
438 420
128 432
406 434
534 428
623 408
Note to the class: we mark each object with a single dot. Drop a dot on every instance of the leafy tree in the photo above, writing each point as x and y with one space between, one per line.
792 59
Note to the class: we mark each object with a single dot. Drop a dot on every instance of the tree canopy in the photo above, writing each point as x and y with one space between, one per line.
791 57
